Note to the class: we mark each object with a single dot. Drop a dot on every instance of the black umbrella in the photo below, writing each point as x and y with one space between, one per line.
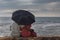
23 17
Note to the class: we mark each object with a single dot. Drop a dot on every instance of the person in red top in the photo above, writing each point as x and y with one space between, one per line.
26 31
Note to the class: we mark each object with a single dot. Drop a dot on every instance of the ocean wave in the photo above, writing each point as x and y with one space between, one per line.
47 29
40 29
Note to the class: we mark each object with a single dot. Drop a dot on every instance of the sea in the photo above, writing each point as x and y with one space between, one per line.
43 26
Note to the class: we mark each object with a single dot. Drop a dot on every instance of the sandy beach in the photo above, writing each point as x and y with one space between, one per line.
32 38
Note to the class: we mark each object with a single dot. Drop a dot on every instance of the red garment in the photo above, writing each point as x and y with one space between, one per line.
28 33
25 33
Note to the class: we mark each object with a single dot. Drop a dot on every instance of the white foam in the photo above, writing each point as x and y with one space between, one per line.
47 29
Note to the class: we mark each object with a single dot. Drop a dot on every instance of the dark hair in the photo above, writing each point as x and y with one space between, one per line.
31 30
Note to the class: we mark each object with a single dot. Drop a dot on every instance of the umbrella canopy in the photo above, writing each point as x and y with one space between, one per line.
22 17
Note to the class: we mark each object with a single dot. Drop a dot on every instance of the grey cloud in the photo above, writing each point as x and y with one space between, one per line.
37 6
45 1
20 4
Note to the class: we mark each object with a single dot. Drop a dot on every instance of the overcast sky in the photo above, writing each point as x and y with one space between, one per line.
40 8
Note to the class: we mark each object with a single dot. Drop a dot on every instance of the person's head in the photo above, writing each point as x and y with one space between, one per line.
25 27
